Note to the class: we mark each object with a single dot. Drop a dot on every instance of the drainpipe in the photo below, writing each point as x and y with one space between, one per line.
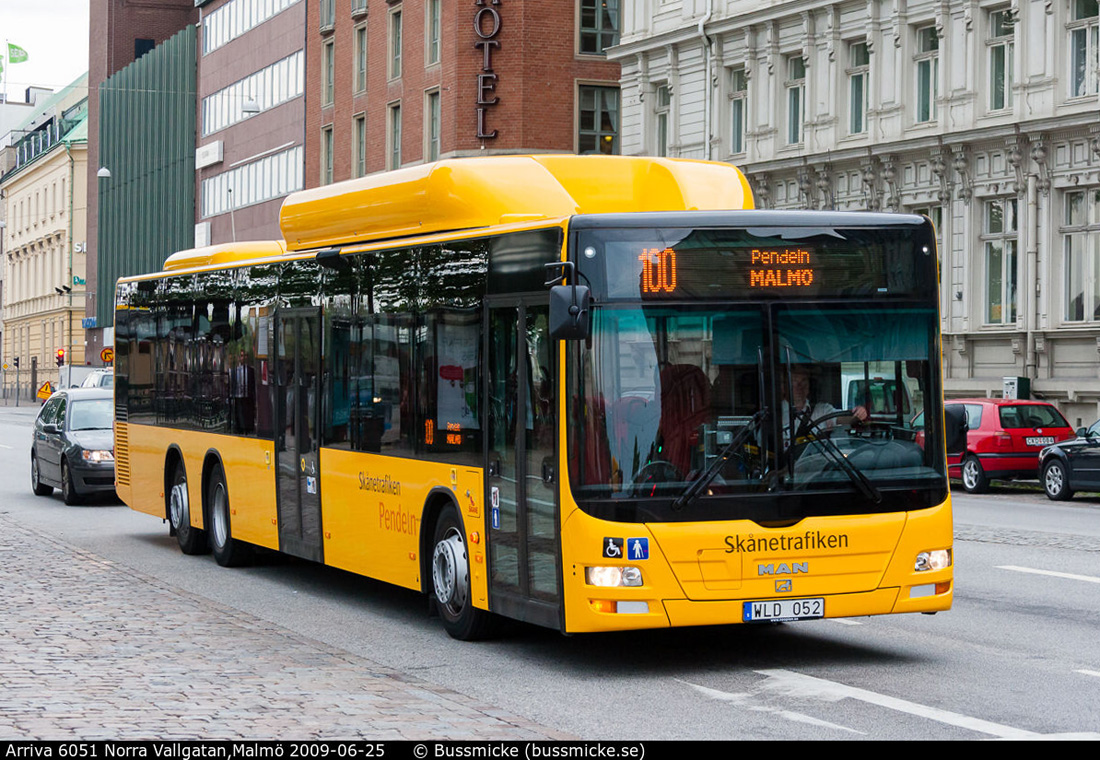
708 94
1031 269
69 315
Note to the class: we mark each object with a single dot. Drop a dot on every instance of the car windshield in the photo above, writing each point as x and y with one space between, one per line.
91 414
1031 416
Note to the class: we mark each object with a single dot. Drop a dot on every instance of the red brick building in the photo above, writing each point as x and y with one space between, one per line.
397 82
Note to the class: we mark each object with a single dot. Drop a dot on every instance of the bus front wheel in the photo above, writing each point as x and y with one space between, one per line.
451 581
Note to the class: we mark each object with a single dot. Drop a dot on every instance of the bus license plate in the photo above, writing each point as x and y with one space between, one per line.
783 610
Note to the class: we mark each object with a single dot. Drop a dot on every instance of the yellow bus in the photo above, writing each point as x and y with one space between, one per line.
556 389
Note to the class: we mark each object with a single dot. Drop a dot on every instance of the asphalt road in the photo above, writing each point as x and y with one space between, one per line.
1015 658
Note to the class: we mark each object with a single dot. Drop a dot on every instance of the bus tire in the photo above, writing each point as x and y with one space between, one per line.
451 581
228 551
192 540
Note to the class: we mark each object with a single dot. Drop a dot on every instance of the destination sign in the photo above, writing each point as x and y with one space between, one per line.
781 268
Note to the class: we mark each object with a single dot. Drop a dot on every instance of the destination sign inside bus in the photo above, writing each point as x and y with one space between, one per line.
781 268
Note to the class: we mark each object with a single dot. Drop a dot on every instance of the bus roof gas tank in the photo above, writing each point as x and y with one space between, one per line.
469 193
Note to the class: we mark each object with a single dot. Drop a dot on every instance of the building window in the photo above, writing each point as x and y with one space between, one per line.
236 17
859 68
927 62
935 213
359 130
661 104
1084 42
358 7
327 150
796 98
261 180
393 137
599 25
1000 241
433 116
395 44
739 98
1001 46
328 14
328 73
143 46
267 87
1081 246
361 58
433 28
598 130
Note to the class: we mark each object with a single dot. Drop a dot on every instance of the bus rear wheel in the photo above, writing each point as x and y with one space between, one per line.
228 551
451 581
192 540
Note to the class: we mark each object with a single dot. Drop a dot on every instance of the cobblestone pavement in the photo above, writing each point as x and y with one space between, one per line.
90 649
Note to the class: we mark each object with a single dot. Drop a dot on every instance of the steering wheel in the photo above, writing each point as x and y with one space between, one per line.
656 472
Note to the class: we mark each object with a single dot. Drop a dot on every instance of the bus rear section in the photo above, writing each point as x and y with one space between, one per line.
738 421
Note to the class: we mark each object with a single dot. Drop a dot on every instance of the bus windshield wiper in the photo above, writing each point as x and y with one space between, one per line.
696 486
833 453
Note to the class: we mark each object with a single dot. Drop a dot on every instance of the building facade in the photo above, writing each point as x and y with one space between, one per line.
985 116
250 130
44 243
393 83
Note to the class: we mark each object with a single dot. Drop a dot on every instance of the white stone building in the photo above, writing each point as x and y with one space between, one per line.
983 115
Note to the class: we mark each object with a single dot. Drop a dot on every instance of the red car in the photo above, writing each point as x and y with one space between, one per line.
1004 439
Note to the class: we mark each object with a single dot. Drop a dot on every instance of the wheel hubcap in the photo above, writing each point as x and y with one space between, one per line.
221 518
970 474
177 505
449 572
1054 479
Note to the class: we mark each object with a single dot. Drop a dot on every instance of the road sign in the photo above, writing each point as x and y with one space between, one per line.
45 391
107 355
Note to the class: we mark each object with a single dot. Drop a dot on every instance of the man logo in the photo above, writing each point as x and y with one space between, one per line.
783 586
783 568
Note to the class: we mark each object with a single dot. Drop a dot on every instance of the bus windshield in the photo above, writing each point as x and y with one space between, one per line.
763 409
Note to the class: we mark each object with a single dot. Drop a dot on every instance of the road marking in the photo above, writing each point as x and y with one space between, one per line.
1089 673
743 701
844 621
798 685
2 446
1052 573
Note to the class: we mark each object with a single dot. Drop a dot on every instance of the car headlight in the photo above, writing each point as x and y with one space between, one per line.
98 456
613 576
937 559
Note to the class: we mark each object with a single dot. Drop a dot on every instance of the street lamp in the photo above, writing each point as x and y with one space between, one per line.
103 173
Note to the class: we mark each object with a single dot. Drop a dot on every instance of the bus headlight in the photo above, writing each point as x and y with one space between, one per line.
613 576
937 559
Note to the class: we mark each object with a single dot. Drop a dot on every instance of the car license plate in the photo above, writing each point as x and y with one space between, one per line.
1039 440
783 610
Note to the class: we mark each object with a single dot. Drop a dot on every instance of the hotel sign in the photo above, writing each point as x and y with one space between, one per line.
487 28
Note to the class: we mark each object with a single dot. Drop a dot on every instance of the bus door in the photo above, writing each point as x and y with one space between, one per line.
521 473
298 401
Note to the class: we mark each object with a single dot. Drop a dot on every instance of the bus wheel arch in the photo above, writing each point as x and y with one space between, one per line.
177 505
228 551
445 568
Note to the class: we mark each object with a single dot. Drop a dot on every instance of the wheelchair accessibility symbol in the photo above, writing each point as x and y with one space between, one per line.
613 548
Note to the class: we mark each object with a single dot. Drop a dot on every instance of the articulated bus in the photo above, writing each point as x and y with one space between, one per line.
591 393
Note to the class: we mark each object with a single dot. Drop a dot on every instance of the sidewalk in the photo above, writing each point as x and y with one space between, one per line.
93 650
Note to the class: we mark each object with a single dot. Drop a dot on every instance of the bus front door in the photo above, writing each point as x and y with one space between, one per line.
297 398
521 476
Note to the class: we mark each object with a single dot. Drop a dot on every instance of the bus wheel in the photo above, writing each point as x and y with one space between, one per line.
192 540
451 581
228 551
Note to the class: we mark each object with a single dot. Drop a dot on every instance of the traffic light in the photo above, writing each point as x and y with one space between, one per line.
16 361
60 357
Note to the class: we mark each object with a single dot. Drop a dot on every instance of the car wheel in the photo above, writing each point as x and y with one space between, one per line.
228 551
68 488
1056 481
451 582
192 540
973 476
40 488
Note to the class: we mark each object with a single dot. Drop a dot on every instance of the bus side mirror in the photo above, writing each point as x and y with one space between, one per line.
955 428
569 305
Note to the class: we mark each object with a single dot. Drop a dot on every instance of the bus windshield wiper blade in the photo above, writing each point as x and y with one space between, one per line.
696 486
834 454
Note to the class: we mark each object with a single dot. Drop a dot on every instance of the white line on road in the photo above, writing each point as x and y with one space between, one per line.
1052 573
798 685
744 701
1090 673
